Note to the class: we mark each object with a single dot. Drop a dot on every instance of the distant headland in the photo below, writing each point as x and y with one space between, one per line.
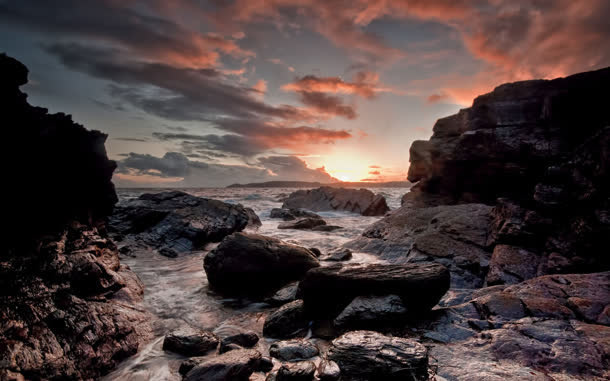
307 184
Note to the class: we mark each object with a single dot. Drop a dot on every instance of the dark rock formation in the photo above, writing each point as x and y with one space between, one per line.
284 295
326 291
251 264
367 355
294 350
365 312
292 214
303 223
360 201
338 255
176 222
235 365
454 236
67 305
300 371
328 371
243 338
287 321
189 341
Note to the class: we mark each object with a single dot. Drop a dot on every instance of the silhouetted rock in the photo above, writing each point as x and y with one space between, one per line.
175 222
367 355
189 341
360 201
251 264
287 321
303 223
67 305
292 214
235 365
326 291
294 350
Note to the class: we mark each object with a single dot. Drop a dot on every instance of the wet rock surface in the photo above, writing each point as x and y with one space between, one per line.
369 311
360 201
299 371
294 350
175 222
292 214
189 341
368 355
234 365
287 321
338 255
303 223
328 371
251 264
68 308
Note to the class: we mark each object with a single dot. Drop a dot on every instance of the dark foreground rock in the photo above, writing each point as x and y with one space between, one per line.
360 201
287 321
372 311
176 222
292 214
68 308
251 264
368 355
328 290
328 371
189 341
235 365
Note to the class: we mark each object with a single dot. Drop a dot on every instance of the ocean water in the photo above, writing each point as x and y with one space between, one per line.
176 289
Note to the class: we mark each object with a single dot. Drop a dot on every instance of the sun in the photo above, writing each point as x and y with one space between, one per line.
344 178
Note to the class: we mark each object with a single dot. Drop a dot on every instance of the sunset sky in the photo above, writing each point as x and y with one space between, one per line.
209 93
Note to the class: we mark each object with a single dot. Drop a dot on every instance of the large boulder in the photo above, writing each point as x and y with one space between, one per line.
367 355
252 264
235 365
327 290
67 306
360 201
177 222
453 235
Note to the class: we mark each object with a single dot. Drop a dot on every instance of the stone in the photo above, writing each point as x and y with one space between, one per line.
287 321
235 365
303 223
189 341
511 264
370 355
294 350
328 371
360 201
284 295
338 255
176 222
292 214
365 312
326 228
326 291
299 371
251 264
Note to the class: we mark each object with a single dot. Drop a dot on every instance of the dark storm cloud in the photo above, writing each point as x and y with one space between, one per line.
235 144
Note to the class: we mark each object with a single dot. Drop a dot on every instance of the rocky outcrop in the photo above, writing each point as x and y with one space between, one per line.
367 355
251 264
175 222
68 308
326 291
360 201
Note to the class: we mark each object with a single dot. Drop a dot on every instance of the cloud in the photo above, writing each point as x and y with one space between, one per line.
374 166
131 139
364 84
436 98
176 169
327 104
277 61
374 173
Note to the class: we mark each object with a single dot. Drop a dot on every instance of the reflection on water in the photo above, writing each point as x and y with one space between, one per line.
177 290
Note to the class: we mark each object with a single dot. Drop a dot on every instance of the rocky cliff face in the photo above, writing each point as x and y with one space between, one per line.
67 305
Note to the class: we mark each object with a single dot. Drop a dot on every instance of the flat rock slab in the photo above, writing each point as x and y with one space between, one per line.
328 290
368 355
235 365
361 201
253 265
177 222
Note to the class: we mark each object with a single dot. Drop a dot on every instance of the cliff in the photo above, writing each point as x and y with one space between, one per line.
67 305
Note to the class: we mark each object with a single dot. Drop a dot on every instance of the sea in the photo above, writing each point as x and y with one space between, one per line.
176 289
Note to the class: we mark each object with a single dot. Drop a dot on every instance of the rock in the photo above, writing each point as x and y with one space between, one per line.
372 356
360 201
265 364
189 341
232 337
224 348
326 228
300 371
292 214
287 321
510 265
328 371
371 311
235 365
339 254
176 222
454 236
68 308
328 290
293 350
284 295
315 251
251 264
303 223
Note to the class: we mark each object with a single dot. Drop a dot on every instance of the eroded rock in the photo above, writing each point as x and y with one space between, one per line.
360 201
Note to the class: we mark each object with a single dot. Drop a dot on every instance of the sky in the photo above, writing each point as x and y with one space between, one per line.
197 93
